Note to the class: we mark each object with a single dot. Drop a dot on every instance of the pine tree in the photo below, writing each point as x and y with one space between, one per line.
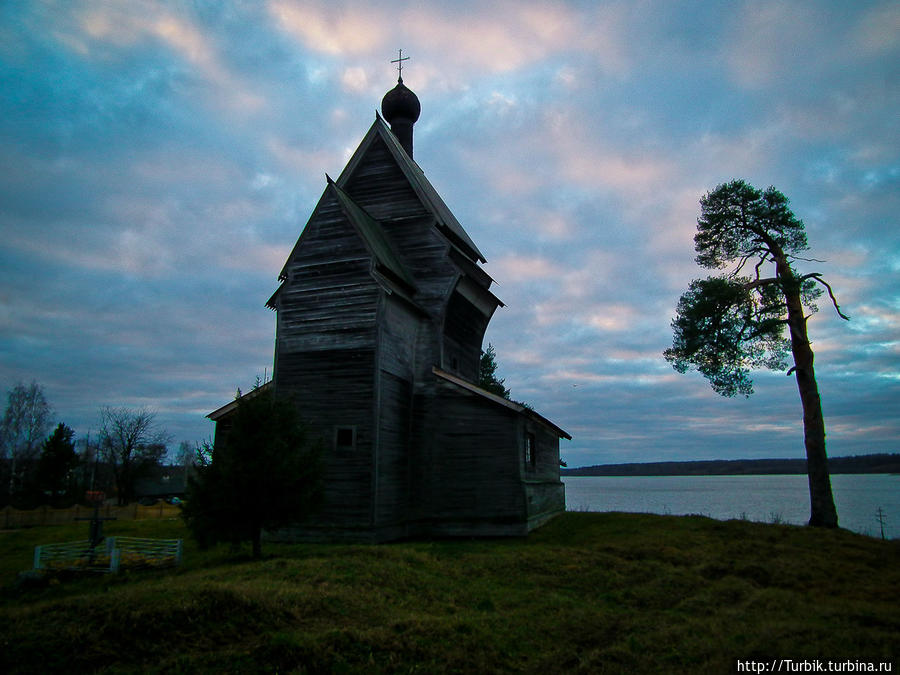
729 324
57 464
487 373
264 474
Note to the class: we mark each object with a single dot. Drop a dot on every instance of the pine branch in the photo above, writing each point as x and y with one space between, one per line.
761 262
737 270
756 283
818 277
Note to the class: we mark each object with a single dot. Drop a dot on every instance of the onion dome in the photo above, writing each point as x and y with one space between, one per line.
401 108
400 104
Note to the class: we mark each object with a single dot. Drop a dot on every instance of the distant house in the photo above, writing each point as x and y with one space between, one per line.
162 481
381 313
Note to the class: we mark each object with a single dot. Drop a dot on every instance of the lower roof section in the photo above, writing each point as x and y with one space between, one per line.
499 400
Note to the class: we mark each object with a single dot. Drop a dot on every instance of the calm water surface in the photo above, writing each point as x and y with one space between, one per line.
760 498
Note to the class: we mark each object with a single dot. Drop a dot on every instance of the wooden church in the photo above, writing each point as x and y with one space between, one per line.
381 313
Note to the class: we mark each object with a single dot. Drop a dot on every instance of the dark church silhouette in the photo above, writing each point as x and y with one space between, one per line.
381 313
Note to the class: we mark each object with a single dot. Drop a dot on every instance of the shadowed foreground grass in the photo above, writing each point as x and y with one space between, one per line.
587 593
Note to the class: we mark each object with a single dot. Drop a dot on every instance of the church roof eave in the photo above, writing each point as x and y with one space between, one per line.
272 302
499 400
228 408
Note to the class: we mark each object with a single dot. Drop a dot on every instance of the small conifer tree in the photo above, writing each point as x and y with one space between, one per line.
264 473
487 373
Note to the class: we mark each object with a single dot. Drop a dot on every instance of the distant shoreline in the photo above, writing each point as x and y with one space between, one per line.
878 463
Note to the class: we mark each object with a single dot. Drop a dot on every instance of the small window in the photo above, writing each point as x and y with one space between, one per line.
344 438
530 454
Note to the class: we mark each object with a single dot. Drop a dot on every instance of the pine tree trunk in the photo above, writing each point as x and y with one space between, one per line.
822 510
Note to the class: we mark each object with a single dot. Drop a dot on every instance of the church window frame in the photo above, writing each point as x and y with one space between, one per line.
345 437
530 451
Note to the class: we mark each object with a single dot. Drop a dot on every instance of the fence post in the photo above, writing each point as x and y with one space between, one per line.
114 560
178 548
37 557
110 545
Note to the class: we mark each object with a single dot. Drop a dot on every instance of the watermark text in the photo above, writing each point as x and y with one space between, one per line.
813 666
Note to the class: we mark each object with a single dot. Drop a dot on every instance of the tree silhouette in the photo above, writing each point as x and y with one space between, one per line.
57 464
487 373
131 444
729 324
25 425
264 474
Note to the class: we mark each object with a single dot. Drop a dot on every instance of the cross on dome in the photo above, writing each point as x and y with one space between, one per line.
399 61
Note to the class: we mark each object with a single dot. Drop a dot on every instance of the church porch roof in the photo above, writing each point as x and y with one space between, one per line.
499 400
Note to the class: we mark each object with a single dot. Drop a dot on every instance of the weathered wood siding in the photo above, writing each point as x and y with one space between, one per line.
335 388
464 326
379 186
399 330
545 494
470 464
544 500
392 467
546 450
329 298
325 355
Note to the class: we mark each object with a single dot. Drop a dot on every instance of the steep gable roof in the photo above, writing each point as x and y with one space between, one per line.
431 200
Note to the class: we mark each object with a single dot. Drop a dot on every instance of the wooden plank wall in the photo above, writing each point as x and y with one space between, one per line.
336 388
546 453
329 298
464 327
379 186
545 493
399 329
544 500
325 355
472 464
392 486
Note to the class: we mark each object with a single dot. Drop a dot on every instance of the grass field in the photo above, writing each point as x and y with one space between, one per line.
587 593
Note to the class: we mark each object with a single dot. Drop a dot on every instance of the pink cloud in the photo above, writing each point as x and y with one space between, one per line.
123 25
517 268
332 29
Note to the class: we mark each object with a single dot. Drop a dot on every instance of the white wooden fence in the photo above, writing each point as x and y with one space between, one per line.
114 553
141 552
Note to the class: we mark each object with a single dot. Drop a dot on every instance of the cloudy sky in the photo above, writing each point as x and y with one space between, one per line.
159 160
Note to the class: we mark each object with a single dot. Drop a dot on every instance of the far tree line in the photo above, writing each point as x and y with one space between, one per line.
42 462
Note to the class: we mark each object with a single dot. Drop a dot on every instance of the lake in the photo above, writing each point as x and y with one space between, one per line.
761 498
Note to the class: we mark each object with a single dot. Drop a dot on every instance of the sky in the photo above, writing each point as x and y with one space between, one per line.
159 160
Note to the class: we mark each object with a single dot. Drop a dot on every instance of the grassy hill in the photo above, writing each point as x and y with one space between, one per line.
587 593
